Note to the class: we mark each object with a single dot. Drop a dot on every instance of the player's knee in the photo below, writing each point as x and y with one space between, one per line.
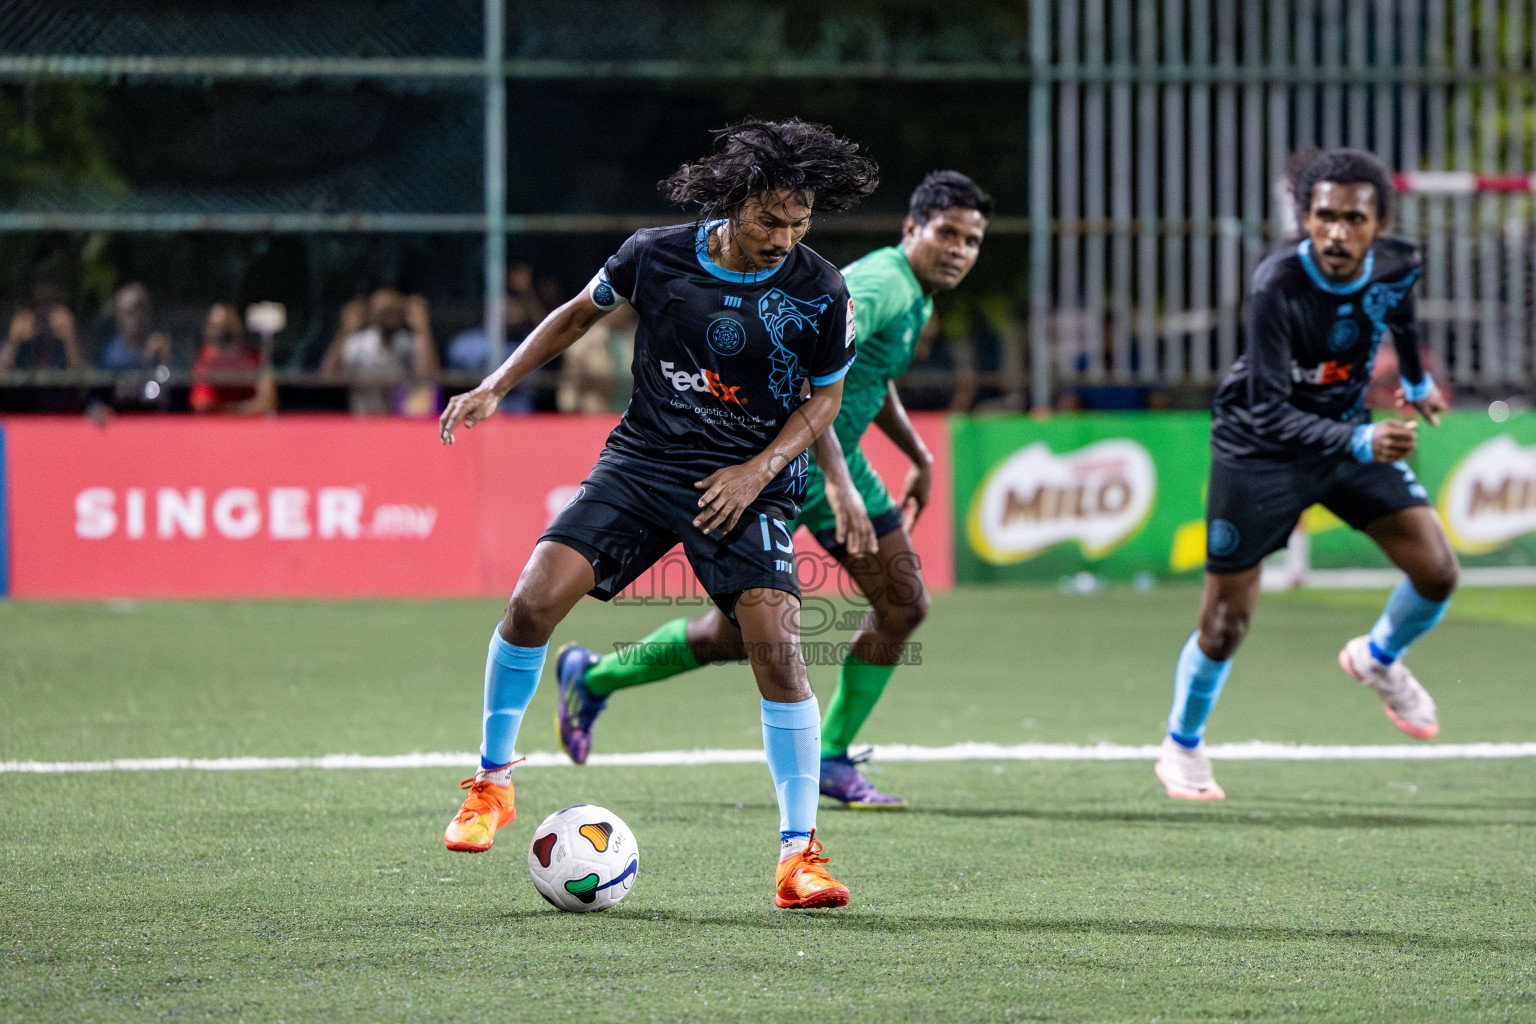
712 638
530 618
1222 631
1437 580
900 618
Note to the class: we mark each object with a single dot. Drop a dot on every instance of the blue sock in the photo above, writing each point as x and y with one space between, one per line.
1406 618
792 741
511 676
1197 684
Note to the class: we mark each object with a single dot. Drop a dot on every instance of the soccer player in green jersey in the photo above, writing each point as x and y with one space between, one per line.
892 291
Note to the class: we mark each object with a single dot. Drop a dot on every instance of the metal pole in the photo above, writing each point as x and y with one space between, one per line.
1123 165
1039 205
1072 342
1095 188
495 186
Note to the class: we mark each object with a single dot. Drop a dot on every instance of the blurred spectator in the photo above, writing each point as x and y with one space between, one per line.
1082 394
135 346
380 344
42 335
586 373
525 309
469 352
227 352
139 355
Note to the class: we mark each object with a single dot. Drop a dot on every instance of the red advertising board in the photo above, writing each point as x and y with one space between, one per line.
218 508
317 506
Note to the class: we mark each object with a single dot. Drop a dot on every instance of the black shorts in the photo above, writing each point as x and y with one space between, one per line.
623 524
1254 504
889 520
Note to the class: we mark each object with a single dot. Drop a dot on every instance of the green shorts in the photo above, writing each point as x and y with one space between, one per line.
816 515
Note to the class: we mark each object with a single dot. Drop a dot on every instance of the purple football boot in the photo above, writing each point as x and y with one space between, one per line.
842 780
577 708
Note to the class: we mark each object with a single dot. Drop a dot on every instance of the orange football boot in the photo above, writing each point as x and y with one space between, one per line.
803 883
487 808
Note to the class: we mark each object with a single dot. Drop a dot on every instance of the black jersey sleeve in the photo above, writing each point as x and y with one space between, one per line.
621 273
1271 329
1403 320
834 351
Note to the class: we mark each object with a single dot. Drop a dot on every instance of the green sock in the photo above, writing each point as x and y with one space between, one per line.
662 654
859 686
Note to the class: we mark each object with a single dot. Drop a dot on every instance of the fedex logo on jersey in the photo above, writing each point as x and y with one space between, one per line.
706 381
1331 372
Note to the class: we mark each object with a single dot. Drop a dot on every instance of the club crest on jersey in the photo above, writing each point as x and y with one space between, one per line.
1344 334
726 335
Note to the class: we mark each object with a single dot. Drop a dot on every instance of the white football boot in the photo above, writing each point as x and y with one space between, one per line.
1186 772
1405 700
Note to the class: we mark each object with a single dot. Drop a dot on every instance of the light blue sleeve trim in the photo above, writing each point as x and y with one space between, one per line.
1420 391
1360 442
834 376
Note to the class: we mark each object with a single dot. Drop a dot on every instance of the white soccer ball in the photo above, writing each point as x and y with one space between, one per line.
583 858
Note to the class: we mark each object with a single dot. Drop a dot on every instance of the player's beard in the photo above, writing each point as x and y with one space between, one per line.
746 255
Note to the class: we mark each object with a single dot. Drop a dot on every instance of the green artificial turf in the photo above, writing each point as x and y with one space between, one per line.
1368 890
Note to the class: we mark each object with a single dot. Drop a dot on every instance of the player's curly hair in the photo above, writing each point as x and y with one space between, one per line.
751 157
944 190
1345 167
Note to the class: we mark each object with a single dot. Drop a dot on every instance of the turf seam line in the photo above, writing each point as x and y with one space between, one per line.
1254 750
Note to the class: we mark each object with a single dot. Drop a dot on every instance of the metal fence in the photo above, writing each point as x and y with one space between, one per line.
1157 131
1160 131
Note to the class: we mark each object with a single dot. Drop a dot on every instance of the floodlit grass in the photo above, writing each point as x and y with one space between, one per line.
1384 890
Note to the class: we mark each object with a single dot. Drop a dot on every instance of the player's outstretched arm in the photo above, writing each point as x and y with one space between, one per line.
728 491
1418 390
556 333
1430 406
853 529
894 423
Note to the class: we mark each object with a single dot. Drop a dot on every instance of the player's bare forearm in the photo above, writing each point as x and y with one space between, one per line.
828 450
728 491
813 419
556 333
894 423
851 523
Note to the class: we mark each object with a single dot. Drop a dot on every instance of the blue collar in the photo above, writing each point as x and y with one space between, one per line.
701 250
1304 250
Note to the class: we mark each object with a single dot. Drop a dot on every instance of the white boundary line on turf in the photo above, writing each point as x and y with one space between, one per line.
1256 750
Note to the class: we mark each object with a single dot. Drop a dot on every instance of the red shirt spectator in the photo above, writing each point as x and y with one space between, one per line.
224 353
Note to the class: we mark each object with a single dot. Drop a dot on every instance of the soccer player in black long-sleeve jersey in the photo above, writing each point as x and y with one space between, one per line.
738 321
1290 429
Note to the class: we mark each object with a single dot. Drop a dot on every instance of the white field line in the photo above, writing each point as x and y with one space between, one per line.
1255 750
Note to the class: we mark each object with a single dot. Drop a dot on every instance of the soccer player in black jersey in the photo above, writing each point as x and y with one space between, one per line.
744 338
1290 429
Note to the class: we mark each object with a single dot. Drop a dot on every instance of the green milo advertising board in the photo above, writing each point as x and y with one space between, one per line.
1121 495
